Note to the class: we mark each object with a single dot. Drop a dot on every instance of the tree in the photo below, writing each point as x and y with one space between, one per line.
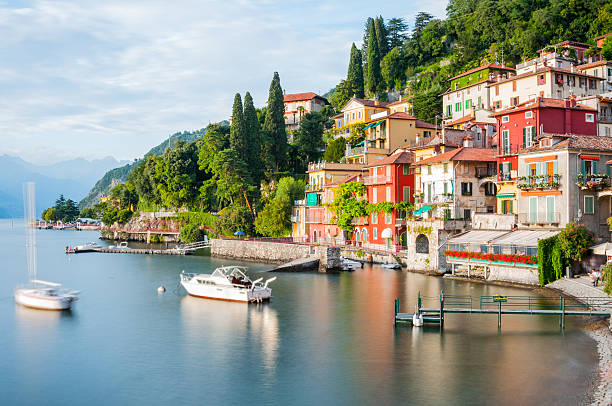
382 38
176 175
366 39
373 78
574 240
275 219
355 73
251 122
393 68
606 51
397 28
274 124
335 150
309 138
235 217
50 214
348 204
342 94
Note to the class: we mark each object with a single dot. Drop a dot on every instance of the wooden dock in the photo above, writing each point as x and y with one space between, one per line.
499 304
148 251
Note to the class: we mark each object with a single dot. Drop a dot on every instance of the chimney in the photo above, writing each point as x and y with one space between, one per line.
284 92
468 142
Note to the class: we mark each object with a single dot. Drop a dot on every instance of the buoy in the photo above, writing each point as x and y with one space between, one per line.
417 317
161 289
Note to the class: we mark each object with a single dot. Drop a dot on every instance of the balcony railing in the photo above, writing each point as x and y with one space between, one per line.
539 218
377 180
538 182
484 172
509 150
353 151
442 198
592 181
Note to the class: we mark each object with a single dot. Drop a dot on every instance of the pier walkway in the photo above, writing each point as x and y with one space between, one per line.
499 304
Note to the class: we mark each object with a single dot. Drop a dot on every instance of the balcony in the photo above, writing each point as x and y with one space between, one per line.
377 180
539 218
400 222
354 151
506 177
484 172
300 202
538 182
509 150
605 119
442 198
592 181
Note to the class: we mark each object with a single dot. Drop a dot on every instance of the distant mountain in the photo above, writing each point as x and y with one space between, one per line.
70 178
119 175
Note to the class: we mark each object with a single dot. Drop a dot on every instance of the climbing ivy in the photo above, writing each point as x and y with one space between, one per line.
546 271
348 204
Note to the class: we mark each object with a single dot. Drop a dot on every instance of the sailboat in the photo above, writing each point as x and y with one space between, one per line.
39 294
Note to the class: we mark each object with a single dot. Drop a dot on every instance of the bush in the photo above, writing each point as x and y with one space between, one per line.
156 238
234 218
606 278
546 271
191 233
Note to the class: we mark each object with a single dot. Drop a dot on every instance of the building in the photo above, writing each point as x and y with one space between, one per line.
603 105
402 105
355 112
601 69
469 92
566 178
387 132
298 104
389 180
456 183
519 126
599 41
546 82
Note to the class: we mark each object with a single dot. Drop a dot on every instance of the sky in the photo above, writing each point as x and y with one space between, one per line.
115 77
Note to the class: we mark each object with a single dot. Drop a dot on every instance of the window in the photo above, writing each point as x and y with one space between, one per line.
406 193
374 218
582 82
466 188
422 244
528 136
406 169
468 104
591 84
429 169
458 106
449 110
388 193
514 101
505 142
489 189
541 79
388 218
496 90
446 168
550 209
507 206
588 167
589 206
514 86
467 214
375 233
571 81
374 195
529 114
479 99
589 117
505 119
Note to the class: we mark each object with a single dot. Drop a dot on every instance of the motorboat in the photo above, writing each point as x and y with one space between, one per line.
45 296
349 264
89 247
227 283
391 265
39 294
123 245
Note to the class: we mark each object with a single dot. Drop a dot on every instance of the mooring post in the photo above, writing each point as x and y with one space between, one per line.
395 306
419 301
441 309
562 321
499 314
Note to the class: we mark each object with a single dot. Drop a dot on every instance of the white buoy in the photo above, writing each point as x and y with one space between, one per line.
417 318
161 289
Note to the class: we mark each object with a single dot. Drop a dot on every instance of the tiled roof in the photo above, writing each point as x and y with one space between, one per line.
463 154
576 142
350 178
542 70
593 64
395 103
338 115
542 102
367 102
401 115
301 96
487 66
400 156
424 124
602 36
464 119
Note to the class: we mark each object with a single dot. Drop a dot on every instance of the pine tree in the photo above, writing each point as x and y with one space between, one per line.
238 131
274 125
373 78
355 72
253 138
382 36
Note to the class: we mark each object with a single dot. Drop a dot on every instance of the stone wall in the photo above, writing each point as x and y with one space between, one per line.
522 276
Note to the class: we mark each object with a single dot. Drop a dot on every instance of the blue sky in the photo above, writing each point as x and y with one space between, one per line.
115 77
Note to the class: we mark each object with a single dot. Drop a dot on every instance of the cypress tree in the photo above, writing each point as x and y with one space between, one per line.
355 72
366 40
373 77
381 36
274 125
238 133
253 138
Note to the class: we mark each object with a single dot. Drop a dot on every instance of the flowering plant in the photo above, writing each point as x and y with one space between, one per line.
515 258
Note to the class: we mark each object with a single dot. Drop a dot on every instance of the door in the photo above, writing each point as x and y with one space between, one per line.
533 209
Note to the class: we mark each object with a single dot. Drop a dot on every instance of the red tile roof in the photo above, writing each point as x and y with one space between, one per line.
367 102
425 124
593 64
400 101
463 154
487 66
542 102
542 70
301 96
602 36
464 119
349 178
401 116
398 157
575 142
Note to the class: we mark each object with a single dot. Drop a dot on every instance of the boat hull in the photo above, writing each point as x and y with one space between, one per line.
227 293
27 298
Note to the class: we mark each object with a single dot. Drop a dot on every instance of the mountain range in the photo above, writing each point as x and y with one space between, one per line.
72 178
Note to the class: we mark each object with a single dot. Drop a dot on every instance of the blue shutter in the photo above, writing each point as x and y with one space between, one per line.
555 168
595 167
608 171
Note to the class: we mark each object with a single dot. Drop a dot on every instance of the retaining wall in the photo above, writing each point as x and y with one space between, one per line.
514 275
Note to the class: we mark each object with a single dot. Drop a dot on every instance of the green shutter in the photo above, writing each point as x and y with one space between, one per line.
539 168
555 168
595 167
533 132
608 171
582 170
525 137
511 210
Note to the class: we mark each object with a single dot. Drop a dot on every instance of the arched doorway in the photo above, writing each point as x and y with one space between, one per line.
403 239
422 244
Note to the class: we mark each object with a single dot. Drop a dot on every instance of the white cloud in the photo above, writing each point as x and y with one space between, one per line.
115 77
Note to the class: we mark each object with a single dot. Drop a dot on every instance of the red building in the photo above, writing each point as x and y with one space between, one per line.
518 127
388 180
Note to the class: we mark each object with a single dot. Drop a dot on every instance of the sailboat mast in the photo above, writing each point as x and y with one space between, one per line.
29 209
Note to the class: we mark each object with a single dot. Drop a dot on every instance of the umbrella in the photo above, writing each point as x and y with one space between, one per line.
239 232
602 249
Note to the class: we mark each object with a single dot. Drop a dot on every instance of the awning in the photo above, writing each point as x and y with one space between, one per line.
476 237
372 125
359 144
505 195
386 233
423 209
602 249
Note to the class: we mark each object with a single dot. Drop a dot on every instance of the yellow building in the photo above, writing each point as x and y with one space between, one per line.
355 111
400 106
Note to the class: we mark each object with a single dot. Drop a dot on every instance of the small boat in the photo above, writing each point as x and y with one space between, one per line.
391 265
123 245
89 247
49 296
227 283
349 264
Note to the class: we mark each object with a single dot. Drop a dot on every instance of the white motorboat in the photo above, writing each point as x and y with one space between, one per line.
89 247
227 283
391 265
123 245
49 296
350 264
39 294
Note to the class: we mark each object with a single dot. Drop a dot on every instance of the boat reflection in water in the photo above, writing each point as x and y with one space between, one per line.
231 328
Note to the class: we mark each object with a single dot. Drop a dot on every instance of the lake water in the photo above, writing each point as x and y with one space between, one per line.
323 339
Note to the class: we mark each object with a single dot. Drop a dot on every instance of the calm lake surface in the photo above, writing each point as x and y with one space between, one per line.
323 339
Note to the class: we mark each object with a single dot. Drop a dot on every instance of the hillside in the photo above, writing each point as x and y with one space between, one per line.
120 174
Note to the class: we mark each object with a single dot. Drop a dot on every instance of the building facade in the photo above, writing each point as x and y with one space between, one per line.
299 104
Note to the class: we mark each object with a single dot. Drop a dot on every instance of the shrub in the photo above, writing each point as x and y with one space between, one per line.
191 233
606 278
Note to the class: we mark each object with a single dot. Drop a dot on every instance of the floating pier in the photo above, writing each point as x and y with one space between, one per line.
501 304
149 251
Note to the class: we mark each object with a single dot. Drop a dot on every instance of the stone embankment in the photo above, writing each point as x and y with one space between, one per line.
161 226
274 252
